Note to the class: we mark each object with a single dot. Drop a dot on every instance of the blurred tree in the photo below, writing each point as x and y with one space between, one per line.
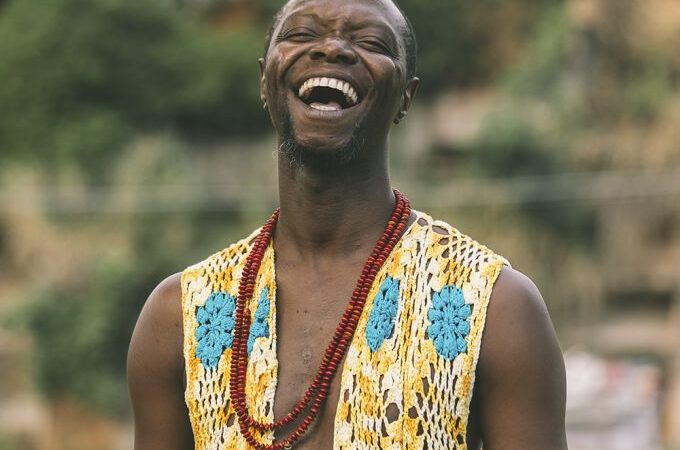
81 76
81 334
81 328
509 146
539 73
518 145
465 43
632 76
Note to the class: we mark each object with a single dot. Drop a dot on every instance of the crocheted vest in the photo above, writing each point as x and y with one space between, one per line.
414 352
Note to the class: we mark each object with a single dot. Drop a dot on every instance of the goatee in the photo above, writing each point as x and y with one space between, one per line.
303 156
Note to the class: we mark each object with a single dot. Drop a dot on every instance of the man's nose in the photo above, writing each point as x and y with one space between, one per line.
334 50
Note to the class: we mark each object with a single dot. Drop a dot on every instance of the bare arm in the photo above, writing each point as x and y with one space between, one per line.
522 387
154 372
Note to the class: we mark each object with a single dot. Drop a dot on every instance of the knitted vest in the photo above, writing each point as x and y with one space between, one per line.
408 377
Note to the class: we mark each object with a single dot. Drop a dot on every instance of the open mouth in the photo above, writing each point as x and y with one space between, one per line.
328 94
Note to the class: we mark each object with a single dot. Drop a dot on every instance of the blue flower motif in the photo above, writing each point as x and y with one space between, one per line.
215 331
381 320
449 318
260 327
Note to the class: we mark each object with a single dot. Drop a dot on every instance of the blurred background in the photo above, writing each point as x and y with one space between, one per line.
132 144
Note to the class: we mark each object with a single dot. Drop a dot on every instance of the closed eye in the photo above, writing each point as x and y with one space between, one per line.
375 45
297 35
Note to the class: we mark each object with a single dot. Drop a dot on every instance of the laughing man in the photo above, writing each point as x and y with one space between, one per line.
348 320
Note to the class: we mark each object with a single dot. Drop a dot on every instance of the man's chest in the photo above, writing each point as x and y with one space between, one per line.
310 306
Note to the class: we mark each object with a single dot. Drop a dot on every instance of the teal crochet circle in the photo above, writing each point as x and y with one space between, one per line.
215 330
380 323
449 318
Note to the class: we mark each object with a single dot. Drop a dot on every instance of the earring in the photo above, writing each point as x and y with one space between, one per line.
400 117
265 107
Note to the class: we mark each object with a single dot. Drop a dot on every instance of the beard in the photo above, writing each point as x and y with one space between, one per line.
300 155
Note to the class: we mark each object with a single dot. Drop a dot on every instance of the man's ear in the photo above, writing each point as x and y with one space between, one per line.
407 98
263 83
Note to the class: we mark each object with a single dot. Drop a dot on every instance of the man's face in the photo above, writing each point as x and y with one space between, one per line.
335 73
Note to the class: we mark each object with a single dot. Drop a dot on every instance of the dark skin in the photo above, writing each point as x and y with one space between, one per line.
331 216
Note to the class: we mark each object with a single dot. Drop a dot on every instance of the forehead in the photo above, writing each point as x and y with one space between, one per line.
356 12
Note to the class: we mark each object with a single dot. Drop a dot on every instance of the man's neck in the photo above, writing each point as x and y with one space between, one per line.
332 213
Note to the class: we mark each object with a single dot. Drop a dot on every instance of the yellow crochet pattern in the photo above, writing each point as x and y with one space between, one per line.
409 373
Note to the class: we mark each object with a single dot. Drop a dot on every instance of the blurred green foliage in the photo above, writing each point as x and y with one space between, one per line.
81 328
539 73
510 147
460 42
80 77
649 87
510 143
82 332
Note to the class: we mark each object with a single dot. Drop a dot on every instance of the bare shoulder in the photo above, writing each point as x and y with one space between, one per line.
154 371
516 311
521 378
164 305
158 333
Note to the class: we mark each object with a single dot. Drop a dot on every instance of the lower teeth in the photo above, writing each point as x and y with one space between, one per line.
326 107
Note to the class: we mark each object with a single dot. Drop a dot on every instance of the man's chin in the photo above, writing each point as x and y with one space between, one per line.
320 153
322 145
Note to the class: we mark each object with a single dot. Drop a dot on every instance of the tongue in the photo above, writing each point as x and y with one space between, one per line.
330 105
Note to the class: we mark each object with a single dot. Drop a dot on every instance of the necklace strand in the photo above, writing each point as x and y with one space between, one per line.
318 389
340 331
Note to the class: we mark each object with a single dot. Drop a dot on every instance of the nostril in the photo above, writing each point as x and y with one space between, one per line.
342 54
317 54
347 57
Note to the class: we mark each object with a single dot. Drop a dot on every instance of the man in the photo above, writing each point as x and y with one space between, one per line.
234 352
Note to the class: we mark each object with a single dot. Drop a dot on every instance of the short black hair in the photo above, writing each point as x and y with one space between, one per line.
408 34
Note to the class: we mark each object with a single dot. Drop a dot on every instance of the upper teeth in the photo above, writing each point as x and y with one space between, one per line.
334 83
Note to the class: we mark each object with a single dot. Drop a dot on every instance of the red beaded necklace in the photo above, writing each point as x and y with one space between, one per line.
318 389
